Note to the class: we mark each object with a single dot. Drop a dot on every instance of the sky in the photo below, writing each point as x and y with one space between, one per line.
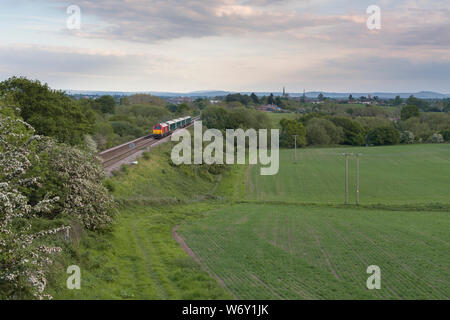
232 45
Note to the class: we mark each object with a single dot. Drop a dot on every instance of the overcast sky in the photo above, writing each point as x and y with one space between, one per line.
236 45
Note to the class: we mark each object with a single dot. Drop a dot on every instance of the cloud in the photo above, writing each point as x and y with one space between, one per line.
63 66
148 21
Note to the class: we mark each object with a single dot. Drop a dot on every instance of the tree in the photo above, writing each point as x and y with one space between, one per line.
183 109
409 112
201 103
51 113
254 98
271 99
407 137
320 97
353 131
350 98
24 254
397 101
383 136
106 104
323 132
279 102
437 138
421 104
289 129
143 99
80 193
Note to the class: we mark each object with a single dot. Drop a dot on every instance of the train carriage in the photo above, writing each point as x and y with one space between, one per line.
161 130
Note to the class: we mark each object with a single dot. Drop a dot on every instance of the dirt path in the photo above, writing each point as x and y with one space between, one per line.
191 253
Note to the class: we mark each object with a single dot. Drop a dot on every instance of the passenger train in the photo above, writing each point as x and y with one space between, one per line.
161 130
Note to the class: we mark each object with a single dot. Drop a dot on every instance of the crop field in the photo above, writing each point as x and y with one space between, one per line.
312 252
414 174
290 236
277 117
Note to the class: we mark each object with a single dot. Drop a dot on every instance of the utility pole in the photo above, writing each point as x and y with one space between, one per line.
346 155
295 149
357 177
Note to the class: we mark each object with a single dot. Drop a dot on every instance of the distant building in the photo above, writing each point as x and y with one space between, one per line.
179 100
269 108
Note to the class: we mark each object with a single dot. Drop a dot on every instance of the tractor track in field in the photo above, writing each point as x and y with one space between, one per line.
191 253
161 290
248 182
402 265
364 261
324 253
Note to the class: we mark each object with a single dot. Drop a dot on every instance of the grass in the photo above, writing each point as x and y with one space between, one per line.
407 174
318 252
138 258
292 238
275 237
277 117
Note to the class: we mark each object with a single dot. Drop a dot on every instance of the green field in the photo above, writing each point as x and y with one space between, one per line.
277 117
291 252
408 174
292 238
277 237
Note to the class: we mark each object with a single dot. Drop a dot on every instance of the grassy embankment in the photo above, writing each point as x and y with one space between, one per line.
138 258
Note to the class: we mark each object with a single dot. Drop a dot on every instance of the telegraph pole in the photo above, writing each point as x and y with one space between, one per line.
357 177
295 149
346 155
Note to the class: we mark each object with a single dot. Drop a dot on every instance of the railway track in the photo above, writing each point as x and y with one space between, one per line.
116 154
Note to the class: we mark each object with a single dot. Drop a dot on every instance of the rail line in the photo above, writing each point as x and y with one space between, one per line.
112 156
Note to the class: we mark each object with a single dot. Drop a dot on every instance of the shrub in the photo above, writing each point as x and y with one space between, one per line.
23 254
146 155
75 176
109 185
407 137
353 131
383 136
289 129
437 138
51 113
323 132
446 135
124 168
409 112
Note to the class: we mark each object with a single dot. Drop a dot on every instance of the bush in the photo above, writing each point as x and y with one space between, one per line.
383 136
446 135
75 176
289 129
109 185
24 254
409 112
323 132
407 137
146 155
124 168
437 138
50 112
353 131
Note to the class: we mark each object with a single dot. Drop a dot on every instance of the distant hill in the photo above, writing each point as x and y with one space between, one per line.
311 94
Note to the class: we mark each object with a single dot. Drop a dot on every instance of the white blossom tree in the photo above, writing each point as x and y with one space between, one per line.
22 258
